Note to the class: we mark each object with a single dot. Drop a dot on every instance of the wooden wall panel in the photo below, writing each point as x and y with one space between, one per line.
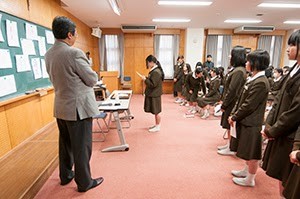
248 41
4 134
47 104
182 42
110 78
24 118
137 48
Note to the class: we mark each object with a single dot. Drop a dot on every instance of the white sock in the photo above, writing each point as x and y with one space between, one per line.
157 126
250 177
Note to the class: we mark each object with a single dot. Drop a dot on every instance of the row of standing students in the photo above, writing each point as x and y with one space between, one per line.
243 106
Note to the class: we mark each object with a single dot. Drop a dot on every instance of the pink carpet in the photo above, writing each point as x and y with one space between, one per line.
180 161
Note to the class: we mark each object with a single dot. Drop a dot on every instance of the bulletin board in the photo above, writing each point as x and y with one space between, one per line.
22 48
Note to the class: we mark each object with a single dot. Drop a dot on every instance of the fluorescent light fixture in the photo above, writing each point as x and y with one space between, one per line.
172 20
279 5
292 22
242 21
115 6
185 3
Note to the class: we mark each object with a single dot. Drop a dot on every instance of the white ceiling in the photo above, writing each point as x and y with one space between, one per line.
141 12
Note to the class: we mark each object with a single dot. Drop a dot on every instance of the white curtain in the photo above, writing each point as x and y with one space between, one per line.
102 53
272 44
166 49
112 53
264 42
275 60
212 46
226 48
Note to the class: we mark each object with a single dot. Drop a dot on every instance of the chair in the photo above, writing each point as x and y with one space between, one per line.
101 116
126 84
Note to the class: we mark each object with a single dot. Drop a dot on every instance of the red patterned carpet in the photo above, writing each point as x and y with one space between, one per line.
179 162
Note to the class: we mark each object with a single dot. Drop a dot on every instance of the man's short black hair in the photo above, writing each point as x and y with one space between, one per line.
259 60
208 56
61 26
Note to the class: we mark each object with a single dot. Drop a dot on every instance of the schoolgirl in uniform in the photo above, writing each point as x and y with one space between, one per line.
283 120
249 117
178 78
194 81
153 90
213 94
186 71
234 83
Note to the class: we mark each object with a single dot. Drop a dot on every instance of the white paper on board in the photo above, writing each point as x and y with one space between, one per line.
12 33
49 37
31 31
44 70
5 59
7 85
36 67
22 62
42 46
28 47
1 35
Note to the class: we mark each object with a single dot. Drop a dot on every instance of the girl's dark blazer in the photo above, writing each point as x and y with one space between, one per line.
284 117
233 86
251 105
154 83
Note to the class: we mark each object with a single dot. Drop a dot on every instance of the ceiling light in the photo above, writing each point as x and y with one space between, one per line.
115 6
241 21
292 22
171 20
185 3
279 5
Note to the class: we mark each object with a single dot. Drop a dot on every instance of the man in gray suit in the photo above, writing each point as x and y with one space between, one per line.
74 105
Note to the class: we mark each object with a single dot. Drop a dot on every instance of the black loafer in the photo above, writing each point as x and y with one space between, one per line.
96 182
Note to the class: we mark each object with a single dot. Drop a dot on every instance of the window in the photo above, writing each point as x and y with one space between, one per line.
219 47
112 53
219 51
272 44
166 50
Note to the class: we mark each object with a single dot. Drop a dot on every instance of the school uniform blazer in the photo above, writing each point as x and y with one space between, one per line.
72 79
195 83
178 74
154 83
251 105
283 119
233 86
214 87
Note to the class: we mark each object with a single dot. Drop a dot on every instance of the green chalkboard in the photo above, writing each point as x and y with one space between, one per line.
25 81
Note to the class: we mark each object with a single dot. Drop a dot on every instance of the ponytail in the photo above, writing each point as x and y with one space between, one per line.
161 70
151 58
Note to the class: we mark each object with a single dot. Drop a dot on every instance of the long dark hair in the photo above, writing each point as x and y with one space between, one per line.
151 58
